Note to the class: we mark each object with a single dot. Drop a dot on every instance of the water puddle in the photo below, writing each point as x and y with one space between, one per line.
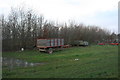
11 63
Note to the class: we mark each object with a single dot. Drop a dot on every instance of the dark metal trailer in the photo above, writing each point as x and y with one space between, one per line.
49 45
79 43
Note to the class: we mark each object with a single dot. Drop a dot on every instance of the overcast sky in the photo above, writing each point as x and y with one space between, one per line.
103 13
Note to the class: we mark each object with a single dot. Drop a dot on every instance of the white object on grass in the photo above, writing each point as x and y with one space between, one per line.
22 49
76 59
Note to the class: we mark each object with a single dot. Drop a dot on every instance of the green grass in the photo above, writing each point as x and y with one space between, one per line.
94 62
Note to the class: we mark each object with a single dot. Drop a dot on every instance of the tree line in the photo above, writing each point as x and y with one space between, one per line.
21 28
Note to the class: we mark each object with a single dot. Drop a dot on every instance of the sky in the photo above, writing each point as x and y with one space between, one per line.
102 13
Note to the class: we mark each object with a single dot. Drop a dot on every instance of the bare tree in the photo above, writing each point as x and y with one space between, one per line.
21 29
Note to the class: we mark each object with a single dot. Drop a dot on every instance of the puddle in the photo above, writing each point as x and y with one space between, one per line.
11 63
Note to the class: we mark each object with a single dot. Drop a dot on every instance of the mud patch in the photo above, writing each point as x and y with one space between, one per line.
12 63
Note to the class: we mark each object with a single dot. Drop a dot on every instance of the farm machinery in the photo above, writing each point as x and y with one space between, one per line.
115 42
80 43
49 45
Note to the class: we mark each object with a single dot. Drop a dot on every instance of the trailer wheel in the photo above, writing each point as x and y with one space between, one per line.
50 51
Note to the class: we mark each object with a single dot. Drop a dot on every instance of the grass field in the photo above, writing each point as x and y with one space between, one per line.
94 62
